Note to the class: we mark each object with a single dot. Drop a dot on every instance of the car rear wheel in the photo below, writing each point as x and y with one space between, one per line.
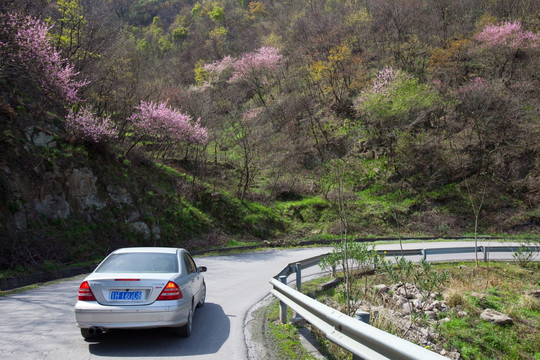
185 331
203 296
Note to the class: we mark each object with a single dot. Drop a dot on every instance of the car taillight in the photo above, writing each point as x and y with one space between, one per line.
85 293
171 291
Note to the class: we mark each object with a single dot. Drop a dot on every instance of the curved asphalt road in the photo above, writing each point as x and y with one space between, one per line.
40 324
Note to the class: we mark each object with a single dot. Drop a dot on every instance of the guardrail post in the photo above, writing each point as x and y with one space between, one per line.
298 283
364 317
486 251
299 277
282 305
424 254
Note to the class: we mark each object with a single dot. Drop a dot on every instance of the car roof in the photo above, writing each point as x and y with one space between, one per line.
163 250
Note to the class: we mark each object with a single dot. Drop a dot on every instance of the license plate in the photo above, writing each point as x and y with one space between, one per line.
126 295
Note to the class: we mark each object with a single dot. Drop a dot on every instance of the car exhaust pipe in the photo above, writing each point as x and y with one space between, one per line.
95 331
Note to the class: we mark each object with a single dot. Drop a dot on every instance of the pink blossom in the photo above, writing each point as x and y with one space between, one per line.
90 127
382 83
508 34
265 58
28 46
383 80
219 66
474 84
252 113
161 122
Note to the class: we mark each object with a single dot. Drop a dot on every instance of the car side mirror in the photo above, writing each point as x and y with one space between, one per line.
202 269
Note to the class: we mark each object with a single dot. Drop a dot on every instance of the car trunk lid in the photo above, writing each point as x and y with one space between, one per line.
127 289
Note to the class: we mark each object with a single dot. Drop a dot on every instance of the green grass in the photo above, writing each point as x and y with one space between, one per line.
307 217
482 340
237 243
284 339
15 291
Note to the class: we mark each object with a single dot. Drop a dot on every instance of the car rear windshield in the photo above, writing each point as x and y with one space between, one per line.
139 263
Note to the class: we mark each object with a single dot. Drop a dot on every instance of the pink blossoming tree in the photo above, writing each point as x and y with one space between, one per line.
474 84
252 70
217 68
251 64
166 126
87 126
506 44
265 58
25 43
508 34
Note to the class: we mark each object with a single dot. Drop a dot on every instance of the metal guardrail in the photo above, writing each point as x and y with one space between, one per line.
363 340
485 250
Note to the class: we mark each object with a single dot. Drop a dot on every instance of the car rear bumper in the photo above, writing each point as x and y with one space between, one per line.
159 314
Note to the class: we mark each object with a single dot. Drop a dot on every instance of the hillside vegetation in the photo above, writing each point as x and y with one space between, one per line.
206 123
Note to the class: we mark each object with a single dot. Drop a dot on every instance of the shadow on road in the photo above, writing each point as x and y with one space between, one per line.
211 328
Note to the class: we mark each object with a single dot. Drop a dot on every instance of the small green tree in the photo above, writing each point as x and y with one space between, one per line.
399 271
428 280
526 252
361 260
339 177
476 201
421 275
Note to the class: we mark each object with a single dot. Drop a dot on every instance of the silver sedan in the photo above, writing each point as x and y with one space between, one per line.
138 288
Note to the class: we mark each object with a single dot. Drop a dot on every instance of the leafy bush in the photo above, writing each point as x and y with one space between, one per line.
525 254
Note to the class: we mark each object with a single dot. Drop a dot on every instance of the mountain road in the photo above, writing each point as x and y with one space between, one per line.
40 323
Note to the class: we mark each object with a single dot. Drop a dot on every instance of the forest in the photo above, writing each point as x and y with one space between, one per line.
235 120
